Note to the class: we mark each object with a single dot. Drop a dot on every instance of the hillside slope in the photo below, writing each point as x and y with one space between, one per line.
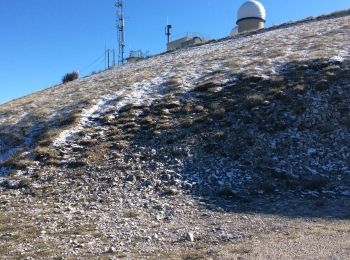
193 140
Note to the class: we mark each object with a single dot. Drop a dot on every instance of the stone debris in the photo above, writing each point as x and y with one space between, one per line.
190 237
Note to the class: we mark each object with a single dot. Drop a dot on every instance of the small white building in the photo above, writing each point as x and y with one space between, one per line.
251 16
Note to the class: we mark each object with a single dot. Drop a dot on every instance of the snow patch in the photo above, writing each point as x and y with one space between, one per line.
337 58
86 114
136 94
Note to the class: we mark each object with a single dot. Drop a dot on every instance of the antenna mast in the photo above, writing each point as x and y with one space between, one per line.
121 30
168 31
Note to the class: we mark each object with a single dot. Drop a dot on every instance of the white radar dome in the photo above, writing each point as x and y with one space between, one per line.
251 9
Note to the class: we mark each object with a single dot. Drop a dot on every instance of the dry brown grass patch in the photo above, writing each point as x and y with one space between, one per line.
148 120
219 136
300 89
70 119
48 137
219 113
45 152
186 123
187 108
254 100
199 108
215 105
18 164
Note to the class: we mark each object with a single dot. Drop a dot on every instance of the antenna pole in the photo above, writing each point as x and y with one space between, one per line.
168 31
121 30
108 58
113 57
105 57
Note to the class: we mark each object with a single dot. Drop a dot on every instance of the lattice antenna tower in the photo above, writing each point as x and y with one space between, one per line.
121 30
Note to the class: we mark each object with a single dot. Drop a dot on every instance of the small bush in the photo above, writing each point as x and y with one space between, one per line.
220 136
300 89
186 123
219 114
148 120
199 108
254 101
15 163
186 108
43 153
70 77
204 86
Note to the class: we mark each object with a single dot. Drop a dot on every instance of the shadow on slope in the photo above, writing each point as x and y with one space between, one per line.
27 141
274 144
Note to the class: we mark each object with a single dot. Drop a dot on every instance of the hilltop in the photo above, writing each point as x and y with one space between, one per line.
241 142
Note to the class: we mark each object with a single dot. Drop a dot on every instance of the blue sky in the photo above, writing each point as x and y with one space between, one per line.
41 40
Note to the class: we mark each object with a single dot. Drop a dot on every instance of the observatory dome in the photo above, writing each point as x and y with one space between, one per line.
251 9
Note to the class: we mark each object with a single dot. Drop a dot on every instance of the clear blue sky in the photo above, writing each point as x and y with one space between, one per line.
43 39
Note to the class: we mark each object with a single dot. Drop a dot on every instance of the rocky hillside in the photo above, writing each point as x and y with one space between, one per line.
258 116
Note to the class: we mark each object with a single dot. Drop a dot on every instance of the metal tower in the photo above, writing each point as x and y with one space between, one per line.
121 30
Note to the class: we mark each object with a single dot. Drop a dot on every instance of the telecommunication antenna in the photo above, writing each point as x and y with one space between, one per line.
121 30
168 31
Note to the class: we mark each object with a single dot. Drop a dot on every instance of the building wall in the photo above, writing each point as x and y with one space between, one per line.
184 42
250 25
177 44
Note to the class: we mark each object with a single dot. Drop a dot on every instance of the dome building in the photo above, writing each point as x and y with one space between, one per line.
251 16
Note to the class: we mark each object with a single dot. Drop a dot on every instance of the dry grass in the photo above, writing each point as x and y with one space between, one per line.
242 250
299 89
220 136
131 214
18 164
114 132
187 108
215 105
254 100
204 86
199 109
48 137
45 152
67 120
186 123
148 120
219 113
